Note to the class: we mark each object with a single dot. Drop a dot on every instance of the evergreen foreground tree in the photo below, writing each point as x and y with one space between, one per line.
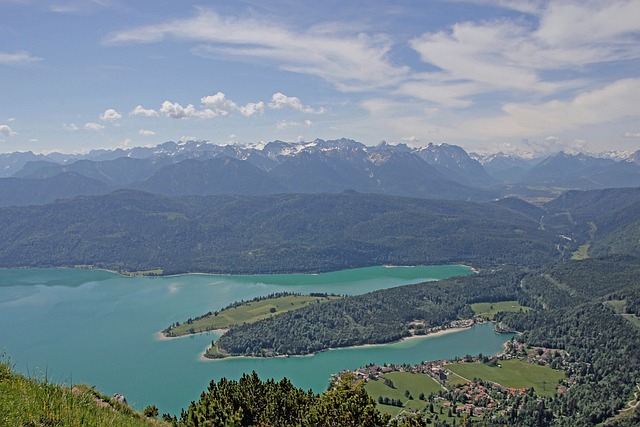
252 402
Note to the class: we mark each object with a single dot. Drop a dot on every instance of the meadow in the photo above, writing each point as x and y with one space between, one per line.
489 309
247 312
415 384
510 373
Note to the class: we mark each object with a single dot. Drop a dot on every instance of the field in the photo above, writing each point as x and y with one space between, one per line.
489 309
246 313
402 381
581 252
512 373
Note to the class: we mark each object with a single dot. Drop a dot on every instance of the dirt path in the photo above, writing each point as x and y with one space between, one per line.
633 405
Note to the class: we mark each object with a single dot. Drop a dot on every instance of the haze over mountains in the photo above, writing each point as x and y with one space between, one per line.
201 168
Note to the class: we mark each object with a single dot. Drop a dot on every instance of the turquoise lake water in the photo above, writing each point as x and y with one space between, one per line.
97 327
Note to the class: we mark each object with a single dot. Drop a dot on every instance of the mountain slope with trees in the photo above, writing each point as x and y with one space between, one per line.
135 231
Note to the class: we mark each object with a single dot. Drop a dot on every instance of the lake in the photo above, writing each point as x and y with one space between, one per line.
99 328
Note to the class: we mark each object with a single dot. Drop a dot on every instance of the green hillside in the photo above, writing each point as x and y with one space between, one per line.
136 231
32 402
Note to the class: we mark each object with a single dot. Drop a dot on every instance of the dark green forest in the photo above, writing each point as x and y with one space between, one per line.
136 231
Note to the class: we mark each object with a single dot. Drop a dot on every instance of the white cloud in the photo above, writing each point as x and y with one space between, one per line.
177 111
145 132
17 58
475 58
631 134
223 106
612 102
6 130
188 138
215 106
71 127
337 57
280 100
252 108
110 115
93 126
219 103
308 123
141 111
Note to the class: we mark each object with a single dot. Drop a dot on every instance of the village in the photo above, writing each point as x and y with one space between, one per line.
459 396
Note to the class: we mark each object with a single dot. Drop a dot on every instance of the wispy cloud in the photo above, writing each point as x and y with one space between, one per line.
515 55
337 58
18 58
93 126
609 103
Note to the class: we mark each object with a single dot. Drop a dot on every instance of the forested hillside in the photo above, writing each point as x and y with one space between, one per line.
578 319
133 231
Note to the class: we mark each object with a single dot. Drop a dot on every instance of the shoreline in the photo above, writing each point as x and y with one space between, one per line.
409 338
133 274
160 336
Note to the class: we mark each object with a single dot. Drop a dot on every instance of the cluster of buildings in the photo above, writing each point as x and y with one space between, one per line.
435 369
476 398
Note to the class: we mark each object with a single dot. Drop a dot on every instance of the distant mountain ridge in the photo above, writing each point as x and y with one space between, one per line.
201 168
441 171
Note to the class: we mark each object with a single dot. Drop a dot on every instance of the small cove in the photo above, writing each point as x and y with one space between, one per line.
99 328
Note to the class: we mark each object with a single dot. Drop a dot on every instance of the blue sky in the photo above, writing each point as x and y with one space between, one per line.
502 75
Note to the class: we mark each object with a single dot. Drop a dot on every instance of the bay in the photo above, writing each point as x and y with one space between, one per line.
99 328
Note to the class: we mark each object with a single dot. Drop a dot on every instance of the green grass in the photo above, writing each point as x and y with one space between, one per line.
635 320
489 309
619 306
581 253
513 373
402 381
247 313
30 402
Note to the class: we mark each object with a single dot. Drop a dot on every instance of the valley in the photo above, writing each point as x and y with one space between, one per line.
560 272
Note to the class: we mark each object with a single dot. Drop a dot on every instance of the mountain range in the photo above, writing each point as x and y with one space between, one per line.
441 171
